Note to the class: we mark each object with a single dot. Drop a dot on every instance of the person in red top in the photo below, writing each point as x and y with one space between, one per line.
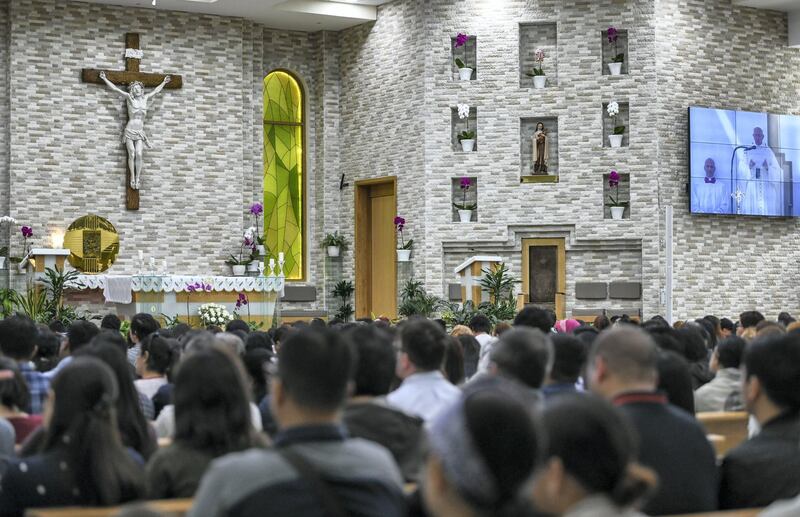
15 399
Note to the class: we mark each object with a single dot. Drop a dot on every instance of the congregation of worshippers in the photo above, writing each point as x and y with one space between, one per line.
535 417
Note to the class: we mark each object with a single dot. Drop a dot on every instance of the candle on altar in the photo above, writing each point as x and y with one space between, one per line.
272 263
280 257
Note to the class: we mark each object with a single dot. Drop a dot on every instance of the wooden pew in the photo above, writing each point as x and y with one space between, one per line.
731 425
169 507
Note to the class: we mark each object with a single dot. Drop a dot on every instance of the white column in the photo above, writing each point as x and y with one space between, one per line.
668 246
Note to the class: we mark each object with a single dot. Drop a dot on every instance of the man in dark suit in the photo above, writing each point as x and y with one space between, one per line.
766 467
623 368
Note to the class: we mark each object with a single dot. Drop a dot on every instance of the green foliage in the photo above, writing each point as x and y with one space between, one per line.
466 135
619 58
7 302
414 301
619 130
334 239
459 63
343 290
125 328
233 261
458 314
32 304
497 282
408 245
501 307
535 72
169 322
467 206
55 283
255 326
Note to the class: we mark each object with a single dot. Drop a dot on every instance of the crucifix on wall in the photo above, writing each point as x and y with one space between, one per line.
134 136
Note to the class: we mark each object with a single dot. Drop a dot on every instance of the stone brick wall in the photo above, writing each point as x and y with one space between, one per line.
713 54
4 120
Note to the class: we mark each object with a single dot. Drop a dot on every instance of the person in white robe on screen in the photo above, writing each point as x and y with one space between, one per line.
710 195
760 179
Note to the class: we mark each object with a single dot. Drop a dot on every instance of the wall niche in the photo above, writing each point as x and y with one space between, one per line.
624 195
457 125
528 166
543 35
458 195
623 119
611 49
467 53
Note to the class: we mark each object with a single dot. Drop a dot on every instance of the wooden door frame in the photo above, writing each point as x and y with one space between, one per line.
561 269
363 263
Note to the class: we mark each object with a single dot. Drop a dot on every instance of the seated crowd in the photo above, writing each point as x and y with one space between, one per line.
538 417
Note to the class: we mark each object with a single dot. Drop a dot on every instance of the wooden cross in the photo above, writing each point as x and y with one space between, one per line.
126 77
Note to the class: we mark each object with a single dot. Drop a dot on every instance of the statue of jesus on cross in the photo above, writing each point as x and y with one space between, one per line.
134 137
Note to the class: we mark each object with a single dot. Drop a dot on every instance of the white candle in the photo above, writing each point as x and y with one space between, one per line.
272 262
280 257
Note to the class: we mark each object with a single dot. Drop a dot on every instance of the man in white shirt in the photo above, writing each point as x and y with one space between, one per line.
481 328
710 195
425 391
760 179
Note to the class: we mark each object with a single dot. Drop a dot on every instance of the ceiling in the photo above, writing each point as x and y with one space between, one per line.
304 15
777 5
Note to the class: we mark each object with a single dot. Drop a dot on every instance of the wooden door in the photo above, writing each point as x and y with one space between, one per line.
376 266
544 273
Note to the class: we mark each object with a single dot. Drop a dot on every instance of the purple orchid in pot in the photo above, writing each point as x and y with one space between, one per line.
404 251
464 72
615 66
617 208
257 211
465 209
246 248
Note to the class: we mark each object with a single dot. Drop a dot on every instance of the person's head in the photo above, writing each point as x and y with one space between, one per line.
48 344
480 324
749 319
376 359
569 355
675 380
758 135
109 347
157 357
715 323
501 328
237 324
469 471
234 343
472 352
256 363
14 394
136 89
692 338
80 333
422 347
18 337
212 409
524 355
727 328
566 326
771 376
728 353
785 318
708 331
315 368
80 417
601 322
710 167
258 340
535 317
769 328
142 325
461 330
454 361
591 449
623 359
110 322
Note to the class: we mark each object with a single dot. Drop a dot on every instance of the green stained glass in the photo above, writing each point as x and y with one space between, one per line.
283 171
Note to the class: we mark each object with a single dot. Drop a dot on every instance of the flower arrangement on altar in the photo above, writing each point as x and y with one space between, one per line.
214 314
248 243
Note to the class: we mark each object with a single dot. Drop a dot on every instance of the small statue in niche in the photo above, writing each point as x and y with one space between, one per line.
541 149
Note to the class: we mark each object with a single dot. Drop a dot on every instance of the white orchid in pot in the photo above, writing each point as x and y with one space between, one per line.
465 138
539 77
619 130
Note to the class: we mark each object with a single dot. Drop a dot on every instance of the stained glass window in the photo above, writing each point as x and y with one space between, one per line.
283 171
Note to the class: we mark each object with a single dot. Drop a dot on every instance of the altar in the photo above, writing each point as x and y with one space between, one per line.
177 298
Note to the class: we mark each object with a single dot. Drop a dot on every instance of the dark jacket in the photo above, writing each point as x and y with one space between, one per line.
673 444
765 468
399 432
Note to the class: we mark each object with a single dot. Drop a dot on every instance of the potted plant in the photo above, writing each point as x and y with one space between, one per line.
256 209
465 138
615 66
539 78
617 208
334 243
239 264
404 251
615 139
465 209
464 72
343 290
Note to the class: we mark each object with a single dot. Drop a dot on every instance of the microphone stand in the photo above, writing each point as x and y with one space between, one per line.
733 158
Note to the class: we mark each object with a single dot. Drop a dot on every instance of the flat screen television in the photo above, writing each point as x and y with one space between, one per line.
743 163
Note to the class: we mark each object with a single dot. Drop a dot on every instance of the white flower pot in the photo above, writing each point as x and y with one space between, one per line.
615 68
617 211
333 251
403 255
262 250
539 81
465 74
2 262
239 270
253 267
465 215
615 140
468 145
